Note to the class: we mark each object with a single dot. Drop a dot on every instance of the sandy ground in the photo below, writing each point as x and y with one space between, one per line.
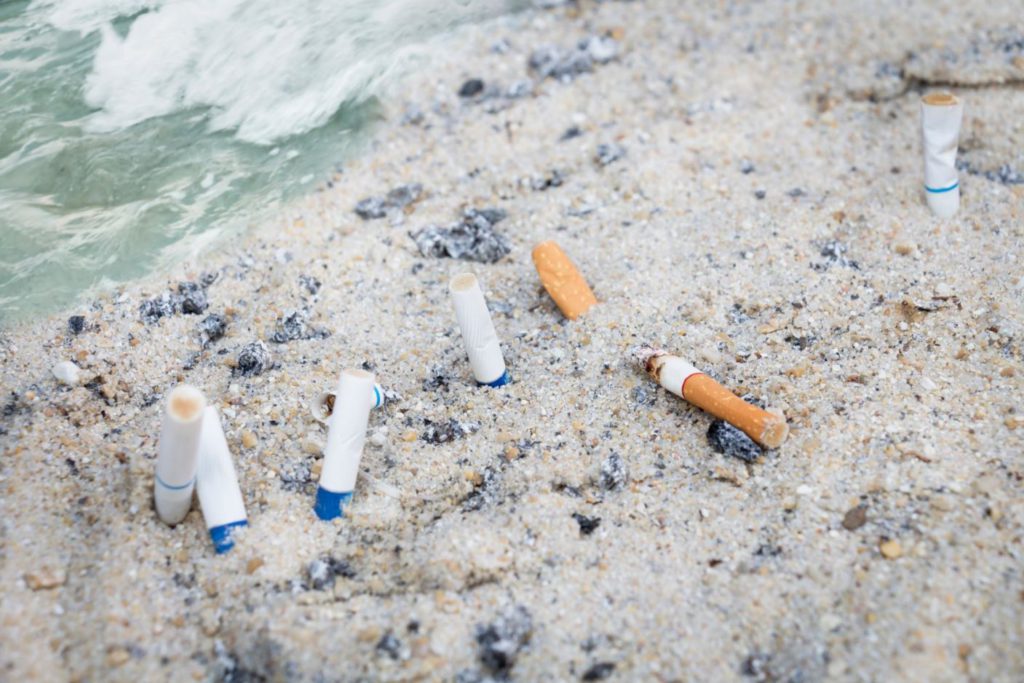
891 340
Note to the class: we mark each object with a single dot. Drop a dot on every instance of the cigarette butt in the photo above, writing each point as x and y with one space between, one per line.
562 280
178 456
478 334
345 438
941 115
689 383
220 498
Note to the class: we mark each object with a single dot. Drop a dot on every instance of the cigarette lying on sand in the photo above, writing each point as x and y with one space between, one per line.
689 383
562 281
345 437
478 331
322 405
178 456
941 114
217 484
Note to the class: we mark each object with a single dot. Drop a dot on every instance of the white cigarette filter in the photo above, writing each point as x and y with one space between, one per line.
178 456
941 114
478 333
692 385
322 405
345 436
217 484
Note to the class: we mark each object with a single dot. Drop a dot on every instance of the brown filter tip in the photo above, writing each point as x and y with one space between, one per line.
563 282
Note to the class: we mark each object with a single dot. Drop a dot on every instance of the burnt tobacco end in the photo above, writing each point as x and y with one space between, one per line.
726 439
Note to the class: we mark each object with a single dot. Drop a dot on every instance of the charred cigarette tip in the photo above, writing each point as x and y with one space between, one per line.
644 354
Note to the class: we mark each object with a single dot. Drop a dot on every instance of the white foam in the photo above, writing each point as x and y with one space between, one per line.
263 68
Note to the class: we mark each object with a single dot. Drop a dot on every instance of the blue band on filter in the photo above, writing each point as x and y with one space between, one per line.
167 486
330 504
378 399
940 190
221 535
500 382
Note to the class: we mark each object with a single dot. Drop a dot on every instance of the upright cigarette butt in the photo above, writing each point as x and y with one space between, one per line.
562 280
220 498
478 333
941 116
178 456
345 437
689 383
322 404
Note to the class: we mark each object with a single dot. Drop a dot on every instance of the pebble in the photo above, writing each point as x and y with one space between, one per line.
67 372
249 439
212 328
396 200
45 577
471 88
437 433
190 299
890 549
855 518
550 61
726 439
502 639
76 324
587 524
599 671
295 326
253 359
322 572
609 152
390 645
471 239
614 473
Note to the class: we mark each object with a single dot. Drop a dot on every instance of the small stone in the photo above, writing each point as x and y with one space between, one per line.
76 324
570 133
471 239
726 439
471 88
890 549
502 639
249 439
587 524
295 326
614 473
162 306
390 645
192 297
45 577
746 167
253 359
116 656
209 620
404 195
67 372
253 564
212 328
371 207
608 153
310 283
855 518
446 431
599 671
521 88
759 194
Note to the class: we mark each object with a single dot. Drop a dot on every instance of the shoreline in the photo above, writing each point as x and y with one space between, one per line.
776 237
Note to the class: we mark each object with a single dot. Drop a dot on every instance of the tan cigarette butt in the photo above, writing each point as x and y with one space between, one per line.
763 427
562 280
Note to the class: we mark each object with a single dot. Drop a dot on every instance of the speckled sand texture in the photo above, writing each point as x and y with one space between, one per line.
577 524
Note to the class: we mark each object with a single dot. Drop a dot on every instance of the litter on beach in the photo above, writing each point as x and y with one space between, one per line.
478 332
941 114
345 438
220 498
563 282
178 457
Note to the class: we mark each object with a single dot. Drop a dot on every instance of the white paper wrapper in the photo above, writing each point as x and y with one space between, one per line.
478 333
178 457
674 371
941 115
217 484
320 411
345 437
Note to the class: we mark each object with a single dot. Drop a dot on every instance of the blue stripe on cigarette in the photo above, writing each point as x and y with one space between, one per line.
377 396
221 535
329 504
940 190
500 382
163 483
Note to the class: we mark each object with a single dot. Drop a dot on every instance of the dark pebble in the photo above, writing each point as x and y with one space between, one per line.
371 207
796 192
76 324
608 153
193 298
570 133
471 88
322 571
599 671
437 433
253 359
295 326
759 194
746 167
614 473
390 645
397 199
471 239
725 438
855 518
587 524
502 639
212 328
311 284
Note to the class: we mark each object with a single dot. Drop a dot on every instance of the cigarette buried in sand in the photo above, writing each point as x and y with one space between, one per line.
345 436
323 404
941 114
562 281
178 456
689 383
478 331
217 485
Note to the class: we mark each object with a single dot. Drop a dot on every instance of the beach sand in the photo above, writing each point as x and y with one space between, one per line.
765 219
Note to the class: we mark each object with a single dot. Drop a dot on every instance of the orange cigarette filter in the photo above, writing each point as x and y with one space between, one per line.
689 383
562 281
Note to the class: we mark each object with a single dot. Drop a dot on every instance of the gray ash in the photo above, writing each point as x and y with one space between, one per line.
501 641
76 324
310 283
437 379
608 153
212 328
834 252
396 200
390 645
322 572
444 432
587 524
803 343
550 61
162 306
472 239
614 473
190 299
295 326
759 194
485 493
553 179
193 298
253 359
725 438
1006 174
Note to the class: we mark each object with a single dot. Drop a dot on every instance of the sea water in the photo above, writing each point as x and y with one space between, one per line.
135 133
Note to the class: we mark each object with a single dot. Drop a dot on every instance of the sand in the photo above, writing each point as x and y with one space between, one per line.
764 219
